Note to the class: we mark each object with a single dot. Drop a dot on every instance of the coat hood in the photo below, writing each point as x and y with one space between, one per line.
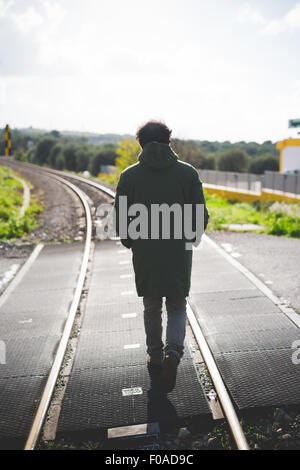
157 156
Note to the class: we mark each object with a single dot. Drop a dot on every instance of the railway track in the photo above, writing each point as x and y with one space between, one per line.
50 384
73 182
223 396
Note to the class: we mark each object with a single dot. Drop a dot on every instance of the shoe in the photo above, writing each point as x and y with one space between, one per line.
168 373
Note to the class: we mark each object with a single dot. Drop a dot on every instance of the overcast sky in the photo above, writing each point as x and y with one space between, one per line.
211 69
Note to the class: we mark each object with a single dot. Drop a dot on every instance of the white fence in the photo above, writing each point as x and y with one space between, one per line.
289 183
280 182
244 181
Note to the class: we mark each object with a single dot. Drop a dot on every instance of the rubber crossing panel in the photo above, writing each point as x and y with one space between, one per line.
250 337
109 384
32 321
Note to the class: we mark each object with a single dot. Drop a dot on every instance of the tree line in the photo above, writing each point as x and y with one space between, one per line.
78 154
239 157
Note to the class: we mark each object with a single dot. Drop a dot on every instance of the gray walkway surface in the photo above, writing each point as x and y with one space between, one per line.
109 385
251 338
32 320
274 260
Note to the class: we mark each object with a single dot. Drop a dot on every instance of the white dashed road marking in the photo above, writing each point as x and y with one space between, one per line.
128 392
127 292
129 315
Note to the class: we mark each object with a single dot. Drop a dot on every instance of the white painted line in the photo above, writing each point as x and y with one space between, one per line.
127 292
128 392
125 276
132 346
23 322
9 275
227 247
121 252
288 311
135 430
26 195
26 266
129 315
236 255
124 262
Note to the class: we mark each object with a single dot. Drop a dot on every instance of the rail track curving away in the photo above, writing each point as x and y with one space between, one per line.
224 398
238 291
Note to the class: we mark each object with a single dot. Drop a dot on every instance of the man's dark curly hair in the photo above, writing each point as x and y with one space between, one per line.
153 131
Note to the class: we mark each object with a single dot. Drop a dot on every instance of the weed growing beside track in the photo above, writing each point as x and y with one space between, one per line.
12 225
275 218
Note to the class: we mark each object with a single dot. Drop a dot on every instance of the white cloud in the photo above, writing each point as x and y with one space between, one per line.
48 14
249 14
296 90
292 18
5 6
2 92
289 22
27 20
55 13
274 27
32 28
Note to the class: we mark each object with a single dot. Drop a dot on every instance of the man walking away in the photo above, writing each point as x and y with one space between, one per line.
162 265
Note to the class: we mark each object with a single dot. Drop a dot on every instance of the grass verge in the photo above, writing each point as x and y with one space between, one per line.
277 218
12 225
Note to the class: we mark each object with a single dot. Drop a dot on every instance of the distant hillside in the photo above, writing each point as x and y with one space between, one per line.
251 148
91 137
89 149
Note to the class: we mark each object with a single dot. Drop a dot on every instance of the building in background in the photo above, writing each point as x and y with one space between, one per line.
290 151
289 155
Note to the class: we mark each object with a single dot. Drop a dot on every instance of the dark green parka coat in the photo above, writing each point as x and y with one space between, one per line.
163 266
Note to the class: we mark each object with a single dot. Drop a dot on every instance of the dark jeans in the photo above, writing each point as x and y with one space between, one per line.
176 310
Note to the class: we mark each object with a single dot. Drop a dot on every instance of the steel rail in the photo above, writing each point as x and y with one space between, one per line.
81 179
225 400
52 378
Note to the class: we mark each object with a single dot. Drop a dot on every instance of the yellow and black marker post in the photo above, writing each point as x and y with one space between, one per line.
7 141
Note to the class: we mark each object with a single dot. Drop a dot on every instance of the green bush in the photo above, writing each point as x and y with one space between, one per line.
43 150
261 164
69 152
104 155
56 150
233 160
83 156
60 163
210 163
21 156
189 151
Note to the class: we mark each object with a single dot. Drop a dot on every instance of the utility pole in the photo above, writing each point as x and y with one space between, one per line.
7 141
